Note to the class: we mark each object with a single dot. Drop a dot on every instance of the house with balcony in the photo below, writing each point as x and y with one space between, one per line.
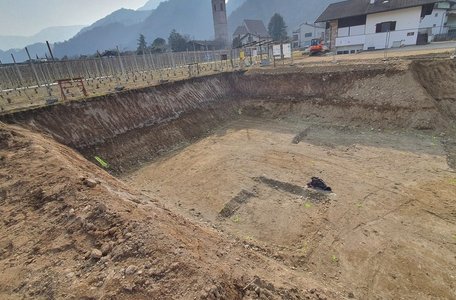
360 25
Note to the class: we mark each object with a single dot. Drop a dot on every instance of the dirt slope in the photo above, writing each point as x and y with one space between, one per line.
71 231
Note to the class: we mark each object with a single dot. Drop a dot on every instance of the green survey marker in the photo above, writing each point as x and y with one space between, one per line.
102 162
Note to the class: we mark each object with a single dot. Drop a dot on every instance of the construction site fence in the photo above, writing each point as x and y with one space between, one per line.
38 73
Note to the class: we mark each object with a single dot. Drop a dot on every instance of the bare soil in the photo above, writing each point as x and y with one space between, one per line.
211 199
71 231
387 231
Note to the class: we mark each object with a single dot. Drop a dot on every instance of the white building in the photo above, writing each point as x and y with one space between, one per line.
442 21
356 25
306 32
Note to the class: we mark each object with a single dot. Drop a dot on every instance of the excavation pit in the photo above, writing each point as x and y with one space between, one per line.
233 154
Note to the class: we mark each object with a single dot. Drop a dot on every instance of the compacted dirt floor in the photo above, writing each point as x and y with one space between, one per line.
387 230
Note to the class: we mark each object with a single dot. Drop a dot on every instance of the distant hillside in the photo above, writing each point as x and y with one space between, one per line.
294 11
189 17
119 28
233 4
99 38
152 4
51 34
122 16
39 49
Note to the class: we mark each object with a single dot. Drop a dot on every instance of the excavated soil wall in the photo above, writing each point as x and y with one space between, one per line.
131 127
135 126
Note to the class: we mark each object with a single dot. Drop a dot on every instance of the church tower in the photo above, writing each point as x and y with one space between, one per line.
220 22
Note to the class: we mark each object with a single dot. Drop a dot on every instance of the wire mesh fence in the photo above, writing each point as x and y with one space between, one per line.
39 82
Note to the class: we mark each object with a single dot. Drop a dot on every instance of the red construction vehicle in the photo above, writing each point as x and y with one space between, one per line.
317 46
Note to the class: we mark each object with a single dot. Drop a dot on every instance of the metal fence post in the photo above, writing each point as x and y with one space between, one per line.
387 38
33 67
122 70
21 79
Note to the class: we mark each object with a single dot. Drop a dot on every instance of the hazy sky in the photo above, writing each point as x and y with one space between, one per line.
27 17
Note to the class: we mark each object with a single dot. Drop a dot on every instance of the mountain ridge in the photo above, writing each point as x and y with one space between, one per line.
52 34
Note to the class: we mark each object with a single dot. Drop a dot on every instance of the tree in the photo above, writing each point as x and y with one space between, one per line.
277 28
158 45
177 42
142 45
237 43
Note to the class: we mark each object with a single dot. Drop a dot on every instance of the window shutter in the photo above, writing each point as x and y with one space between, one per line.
393 26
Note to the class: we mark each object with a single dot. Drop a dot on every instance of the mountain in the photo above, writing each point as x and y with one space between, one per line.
150 5
120 28
99 39
232 5
122 16
20 55
51 34
189 17
294 12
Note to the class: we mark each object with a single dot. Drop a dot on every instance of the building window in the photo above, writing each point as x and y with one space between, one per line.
221 6
385 27
436 15
308 34
435 25
410 33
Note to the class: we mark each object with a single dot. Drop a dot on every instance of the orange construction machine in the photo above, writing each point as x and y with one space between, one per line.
317 46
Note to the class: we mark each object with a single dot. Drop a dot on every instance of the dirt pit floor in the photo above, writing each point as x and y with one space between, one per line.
387 231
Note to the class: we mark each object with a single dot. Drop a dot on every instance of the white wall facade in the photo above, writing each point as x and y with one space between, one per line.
406 32
351 41
435 21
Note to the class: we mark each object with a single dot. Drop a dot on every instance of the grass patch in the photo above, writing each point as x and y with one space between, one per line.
236 219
